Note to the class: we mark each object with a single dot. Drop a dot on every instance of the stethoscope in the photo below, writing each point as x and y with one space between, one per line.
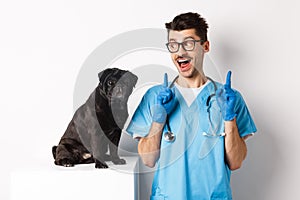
169 136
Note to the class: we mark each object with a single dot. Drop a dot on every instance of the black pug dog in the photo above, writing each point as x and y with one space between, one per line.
97 125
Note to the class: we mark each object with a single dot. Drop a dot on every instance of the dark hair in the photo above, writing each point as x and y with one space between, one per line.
189 21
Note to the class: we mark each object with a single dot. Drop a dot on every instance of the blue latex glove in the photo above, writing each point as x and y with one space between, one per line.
226 99
166 103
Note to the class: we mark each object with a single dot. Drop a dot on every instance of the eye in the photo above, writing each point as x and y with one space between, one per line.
110 83
173 45
189 44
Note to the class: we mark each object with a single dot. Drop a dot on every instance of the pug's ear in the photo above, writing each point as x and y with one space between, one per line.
134 79
102 75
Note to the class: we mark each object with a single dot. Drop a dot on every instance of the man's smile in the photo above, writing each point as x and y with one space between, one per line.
184 64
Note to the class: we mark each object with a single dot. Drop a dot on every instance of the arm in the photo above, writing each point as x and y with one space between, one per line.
149 147
235 146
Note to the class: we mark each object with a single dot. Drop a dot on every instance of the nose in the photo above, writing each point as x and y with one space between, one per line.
181 51
118 91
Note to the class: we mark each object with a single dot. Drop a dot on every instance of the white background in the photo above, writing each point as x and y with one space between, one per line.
44 43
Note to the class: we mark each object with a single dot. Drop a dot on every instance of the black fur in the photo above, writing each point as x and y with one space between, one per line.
97 125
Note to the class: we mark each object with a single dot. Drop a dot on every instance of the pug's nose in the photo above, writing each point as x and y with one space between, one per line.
118 91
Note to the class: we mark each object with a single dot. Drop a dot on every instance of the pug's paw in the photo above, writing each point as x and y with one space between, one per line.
100 165
66 162
119 161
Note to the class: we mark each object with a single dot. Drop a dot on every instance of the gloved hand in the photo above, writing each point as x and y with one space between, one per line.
226 99
166 103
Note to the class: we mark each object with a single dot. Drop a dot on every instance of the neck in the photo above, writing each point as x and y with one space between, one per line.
192 82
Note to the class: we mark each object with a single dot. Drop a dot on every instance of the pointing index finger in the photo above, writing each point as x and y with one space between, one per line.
165 80
228 80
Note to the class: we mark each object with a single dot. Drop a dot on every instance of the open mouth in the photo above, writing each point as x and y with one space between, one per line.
184 63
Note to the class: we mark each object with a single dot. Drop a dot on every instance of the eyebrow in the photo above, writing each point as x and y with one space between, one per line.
189 37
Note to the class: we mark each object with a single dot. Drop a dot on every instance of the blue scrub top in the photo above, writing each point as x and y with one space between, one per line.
193 166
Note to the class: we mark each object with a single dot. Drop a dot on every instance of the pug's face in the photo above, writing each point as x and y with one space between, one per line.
117 85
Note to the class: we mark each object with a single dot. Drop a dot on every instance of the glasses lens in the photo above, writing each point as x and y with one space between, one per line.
173 46
189 45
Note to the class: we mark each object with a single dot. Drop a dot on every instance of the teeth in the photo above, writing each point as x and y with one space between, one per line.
181 61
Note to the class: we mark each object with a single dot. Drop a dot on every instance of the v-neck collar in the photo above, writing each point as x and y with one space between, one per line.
182 100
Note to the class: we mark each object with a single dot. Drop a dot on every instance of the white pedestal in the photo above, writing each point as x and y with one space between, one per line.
50 182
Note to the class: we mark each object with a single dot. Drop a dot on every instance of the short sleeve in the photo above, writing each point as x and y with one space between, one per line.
140 123
244 120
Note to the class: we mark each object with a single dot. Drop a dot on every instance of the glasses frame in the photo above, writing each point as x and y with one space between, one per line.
181 43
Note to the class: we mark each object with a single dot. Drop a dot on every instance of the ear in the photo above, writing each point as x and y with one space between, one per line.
135 79
206 46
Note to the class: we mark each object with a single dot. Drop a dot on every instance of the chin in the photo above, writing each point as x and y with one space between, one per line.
188 73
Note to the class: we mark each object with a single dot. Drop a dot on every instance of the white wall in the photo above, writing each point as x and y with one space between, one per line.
44 44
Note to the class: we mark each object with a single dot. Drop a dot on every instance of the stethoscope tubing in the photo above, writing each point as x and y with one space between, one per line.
169 136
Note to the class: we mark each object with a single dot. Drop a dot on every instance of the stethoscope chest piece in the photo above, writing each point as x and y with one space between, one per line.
169 136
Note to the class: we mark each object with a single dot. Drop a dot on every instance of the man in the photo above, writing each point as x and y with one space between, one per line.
210 122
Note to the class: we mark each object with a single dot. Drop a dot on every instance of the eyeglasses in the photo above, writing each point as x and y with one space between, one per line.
187 45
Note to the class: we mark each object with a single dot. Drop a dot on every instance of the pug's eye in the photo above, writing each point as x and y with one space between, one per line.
110 83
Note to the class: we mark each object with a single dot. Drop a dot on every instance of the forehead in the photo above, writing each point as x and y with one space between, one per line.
183 35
